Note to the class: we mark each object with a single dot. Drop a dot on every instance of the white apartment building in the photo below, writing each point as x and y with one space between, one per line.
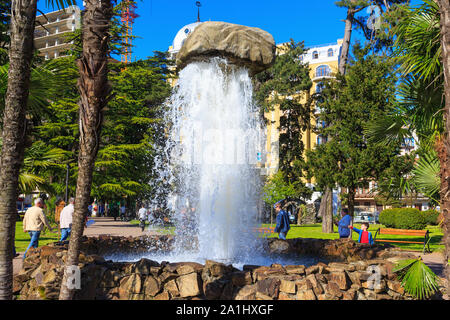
51 29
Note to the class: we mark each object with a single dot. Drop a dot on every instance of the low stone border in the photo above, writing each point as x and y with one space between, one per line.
372 279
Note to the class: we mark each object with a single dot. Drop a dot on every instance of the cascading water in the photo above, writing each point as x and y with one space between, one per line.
207 172
216 135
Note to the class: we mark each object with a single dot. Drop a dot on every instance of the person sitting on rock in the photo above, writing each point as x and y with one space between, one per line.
364 235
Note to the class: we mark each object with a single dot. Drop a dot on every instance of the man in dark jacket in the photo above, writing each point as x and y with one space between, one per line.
282 226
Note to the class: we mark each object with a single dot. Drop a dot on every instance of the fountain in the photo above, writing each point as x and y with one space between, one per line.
214 131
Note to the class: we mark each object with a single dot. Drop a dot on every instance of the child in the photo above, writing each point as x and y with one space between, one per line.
364 235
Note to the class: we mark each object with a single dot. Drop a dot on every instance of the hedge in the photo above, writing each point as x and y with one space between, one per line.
431 217
403 218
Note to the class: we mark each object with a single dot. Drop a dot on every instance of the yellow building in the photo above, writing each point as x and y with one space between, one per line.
323 62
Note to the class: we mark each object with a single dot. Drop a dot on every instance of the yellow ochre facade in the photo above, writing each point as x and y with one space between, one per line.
323 63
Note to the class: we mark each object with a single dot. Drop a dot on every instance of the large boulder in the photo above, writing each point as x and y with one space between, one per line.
241 45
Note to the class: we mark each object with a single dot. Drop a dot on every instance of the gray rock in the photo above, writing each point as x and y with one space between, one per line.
241 45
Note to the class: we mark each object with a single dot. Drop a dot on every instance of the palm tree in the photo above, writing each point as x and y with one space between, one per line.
23 15
95 93
444 10
422 44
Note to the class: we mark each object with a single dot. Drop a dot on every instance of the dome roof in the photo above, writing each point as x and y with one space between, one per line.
182 35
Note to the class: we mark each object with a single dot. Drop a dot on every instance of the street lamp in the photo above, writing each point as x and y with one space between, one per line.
198 4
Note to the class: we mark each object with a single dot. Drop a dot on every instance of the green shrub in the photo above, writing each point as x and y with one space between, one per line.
431 217
403 218
388 217
410 218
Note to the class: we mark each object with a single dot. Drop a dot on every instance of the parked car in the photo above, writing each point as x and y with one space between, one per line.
366 216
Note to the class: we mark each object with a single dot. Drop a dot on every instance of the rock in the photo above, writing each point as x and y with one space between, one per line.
306 295
269 287
152 286
189 285
262 296
341 279
316 286
287 286
241 278
50 277
332 289
172 288
251 47
247 292
130 284
303 285
162 296
167 276
312 269
349 295
144 266
277 246
110 279
213 290
188 267
295 269
216 269
395 286
285 296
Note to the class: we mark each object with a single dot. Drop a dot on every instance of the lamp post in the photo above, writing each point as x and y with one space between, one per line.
198 4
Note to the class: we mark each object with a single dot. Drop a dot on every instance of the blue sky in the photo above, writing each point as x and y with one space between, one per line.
315 22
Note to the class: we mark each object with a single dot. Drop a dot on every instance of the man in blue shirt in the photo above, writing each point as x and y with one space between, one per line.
343 224
282 226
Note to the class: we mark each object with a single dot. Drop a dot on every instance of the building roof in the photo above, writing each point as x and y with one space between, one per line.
181 36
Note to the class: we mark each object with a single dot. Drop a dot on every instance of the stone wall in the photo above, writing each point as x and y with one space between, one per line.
42 272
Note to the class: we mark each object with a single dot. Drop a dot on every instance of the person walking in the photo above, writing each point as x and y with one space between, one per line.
343 224
142 216
122 212
283 224
34 221
66 220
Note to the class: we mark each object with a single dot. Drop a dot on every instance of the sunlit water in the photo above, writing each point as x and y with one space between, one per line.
210 166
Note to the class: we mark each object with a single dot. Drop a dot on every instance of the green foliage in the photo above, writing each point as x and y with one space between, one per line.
417 278
280 86
346 105
277 189
431 217
388 217
403 218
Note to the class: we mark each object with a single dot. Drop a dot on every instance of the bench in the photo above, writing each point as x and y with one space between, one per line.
265 231
418 233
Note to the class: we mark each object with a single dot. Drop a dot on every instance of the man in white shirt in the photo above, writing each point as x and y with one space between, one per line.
65 222
142 216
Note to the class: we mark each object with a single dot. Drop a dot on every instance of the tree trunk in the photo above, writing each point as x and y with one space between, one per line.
326 211
351 201
23 14
95 93
346 42
444 6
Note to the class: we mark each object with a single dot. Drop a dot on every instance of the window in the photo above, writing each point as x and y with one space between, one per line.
323 71
330 52
315 55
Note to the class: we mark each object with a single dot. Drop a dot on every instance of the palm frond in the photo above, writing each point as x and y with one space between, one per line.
426 175
417 278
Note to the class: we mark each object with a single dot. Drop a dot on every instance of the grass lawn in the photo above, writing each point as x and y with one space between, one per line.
23 239
315 231
159 229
